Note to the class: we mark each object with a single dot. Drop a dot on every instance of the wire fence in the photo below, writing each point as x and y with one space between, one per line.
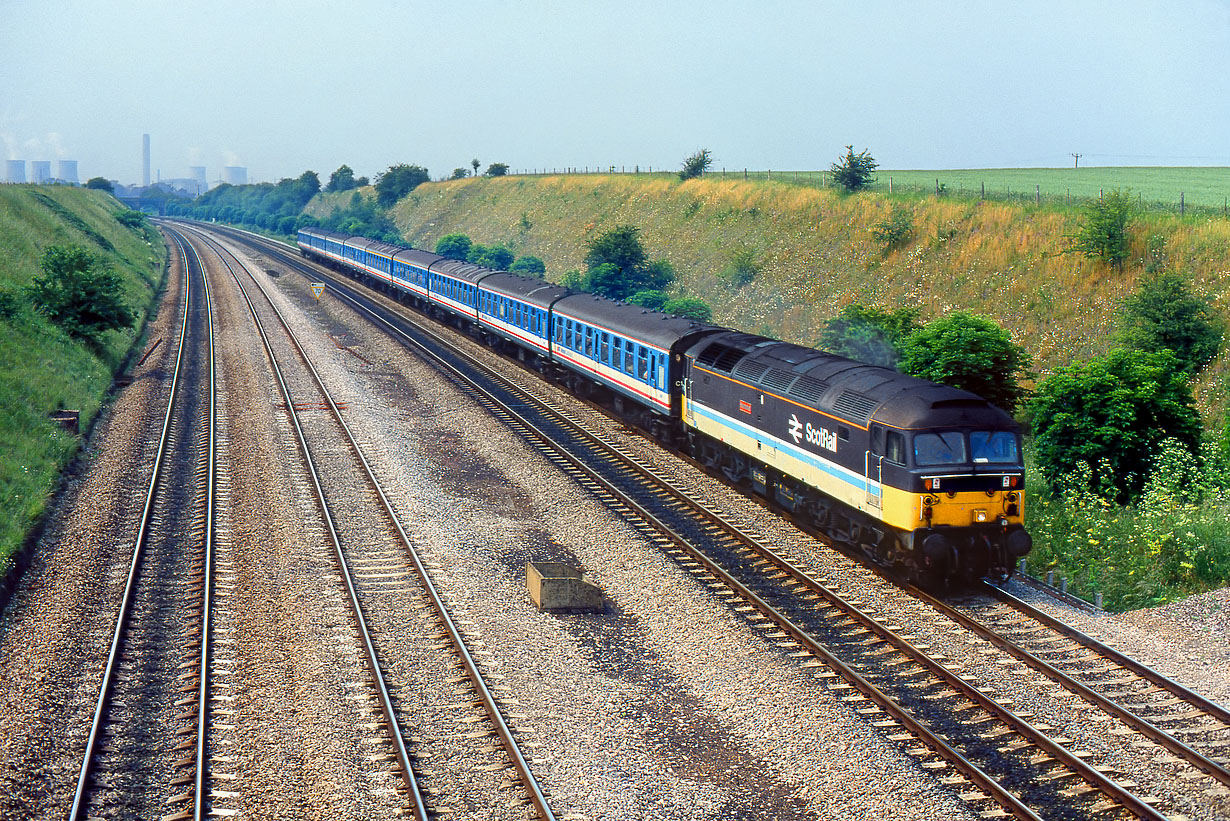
998 191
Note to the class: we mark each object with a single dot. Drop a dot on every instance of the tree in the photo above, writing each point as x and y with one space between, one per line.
397 182
80 293
530 266
617 267
696 165
1113 412
689 308
474 162
453 246
871 335
741 269
100 184
1163 313
342 179
497 169
1104 234
854 171
968 352
459 174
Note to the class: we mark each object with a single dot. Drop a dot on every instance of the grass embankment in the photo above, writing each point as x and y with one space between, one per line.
816 253
42 369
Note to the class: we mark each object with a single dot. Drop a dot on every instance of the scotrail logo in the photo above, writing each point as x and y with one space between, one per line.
796 428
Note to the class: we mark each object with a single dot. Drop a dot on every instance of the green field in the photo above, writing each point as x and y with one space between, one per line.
1201 189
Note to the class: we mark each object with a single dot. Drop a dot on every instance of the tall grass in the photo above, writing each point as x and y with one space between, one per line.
1174 541
41 368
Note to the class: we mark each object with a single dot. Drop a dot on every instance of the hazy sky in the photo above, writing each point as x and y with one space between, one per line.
284 85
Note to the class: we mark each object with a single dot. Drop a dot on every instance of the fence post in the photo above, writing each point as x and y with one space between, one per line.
983 195
1180 203
890 184
1037 194
937 186
745 173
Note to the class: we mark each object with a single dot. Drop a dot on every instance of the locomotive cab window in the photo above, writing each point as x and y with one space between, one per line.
894 447
993 446
946 448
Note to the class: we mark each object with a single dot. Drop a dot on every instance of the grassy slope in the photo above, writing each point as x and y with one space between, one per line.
1001 260
41 369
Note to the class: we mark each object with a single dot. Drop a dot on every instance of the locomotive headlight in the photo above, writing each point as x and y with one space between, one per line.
980 515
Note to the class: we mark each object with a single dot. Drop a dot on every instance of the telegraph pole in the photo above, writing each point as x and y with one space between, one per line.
1077 159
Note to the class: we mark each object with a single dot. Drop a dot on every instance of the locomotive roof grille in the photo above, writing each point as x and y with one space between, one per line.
776 380
751 370
720 357
808 389
855 405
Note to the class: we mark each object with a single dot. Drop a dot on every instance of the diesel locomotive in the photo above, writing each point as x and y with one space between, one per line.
920 476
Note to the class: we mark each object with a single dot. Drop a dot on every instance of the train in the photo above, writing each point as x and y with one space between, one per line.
921 477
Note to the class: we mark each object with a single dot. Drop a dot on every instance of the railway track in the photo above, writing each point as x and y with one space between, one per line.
407 631
145 751
1027 771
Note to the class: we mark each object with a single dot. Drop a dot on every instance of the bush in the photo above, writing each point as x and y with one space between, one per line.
1163 313
497 169
741 269
10 304
617 267
689 308
496 257
132 219
651 299
968 352
459 174
100 184
896 230
696 165
1112 413
1104 234
529 265
869 335
854 171
454 246
80 294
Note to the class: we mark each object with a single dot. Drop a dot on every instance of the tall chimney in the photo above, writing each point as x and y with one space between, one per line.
145 160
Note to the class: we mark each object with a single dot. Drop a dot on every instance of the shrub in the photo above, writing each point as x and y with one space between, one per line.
1104 234
496 257
101 184
741 269
529 265
1163 313
10 304
651 299
896 230
453 246
690 308
968 352
458 174
1113 412
80 294
696 165
132 219
497 169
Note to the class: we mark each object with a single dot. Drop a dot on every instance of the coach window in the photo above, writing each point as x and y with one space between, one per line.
629 357
642 364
